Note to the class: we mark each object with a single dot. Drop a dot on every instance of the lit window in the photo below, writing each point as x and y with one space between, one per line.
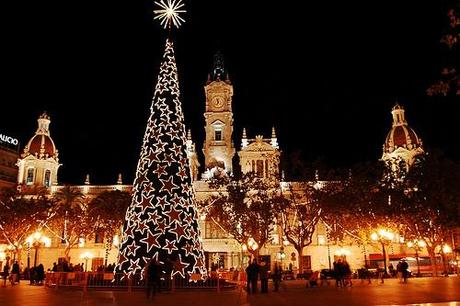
47 178
30 176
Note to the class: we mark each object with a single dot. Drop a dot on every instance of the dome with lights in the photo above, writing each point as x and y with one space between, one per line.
400 135
41 144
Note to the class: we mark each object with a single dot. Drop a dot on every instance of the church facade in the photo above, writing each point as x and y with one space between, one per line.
38 168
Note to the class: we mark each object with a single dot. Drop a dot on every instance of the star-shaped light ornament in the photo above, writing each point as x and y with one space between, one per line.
169 11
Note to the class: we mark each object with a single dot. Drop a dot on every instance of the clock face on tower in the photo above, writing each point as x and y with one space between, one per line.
218 101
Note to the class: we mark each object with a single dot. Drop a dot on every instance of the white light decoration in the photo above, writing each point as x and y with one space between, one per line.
81 242
446 249
116 240
169 13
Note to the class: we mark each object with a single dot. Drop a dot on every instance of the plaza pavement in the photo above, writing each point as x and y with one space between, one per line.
439 291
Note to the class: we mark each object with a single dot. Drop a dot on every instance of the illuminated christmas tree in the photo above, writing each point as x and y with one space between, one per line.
162 220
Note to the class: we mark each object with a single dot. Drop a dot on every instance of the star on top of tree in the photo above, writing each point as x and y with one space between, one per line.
169 13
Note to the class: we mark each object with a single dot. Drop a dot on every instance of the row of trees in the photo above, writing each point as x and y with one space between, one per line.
66 215
423 203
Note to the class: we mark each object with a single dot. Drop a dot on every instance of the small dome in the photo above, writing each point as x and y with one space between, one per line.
401 136
41 144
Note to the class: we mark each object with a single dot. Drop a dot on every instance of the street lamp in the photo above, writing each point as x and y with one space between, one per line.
36 240
86 256
383 236
417 245
252 244
446 249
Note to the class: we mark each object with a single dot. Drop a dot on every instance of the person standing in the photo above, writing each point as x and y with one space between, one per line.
153 278
263 273
252 272
277 276
15 272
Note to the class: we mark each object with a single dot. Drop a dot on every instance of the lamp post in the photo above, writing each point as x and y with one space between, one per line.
383 236
36 240
446 249
417 245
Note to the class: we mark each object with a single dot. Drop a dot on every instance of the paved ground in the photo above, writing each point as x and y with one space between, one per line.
440 291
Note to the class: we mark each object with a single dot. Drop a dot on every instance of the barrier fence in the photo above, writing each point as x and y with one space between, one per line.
111 281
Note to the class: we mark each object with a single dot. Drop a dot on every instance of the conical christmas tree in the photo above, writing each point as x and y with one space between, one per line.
162 220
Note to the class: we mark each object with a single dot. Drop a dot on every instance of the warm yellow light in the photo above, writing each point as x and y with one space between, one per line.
244 247
46 241
321 240
86 255
29 239
285 243
81 242
410 244
203 217
374 236
342 252
37 235
254 246
421 243
446 249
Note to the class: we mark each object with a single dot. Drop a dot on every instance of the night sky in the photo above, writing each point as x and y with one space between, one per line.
326 76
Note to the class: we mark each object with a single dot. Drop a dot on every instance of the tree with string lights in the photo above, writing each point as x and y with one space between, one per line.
161 222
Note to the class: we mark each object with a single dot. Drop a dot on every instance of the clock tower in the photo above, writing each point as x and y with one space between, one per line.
218 147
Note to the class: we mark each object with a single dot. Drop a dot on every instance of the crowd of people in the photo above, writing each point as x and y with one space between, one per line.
256 271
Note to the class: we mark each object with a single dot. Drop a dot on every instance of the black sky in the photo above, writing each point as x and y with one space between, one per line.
326 76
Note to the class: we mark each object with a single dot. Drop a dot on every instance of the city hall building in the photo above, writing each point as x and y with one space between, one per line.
38 165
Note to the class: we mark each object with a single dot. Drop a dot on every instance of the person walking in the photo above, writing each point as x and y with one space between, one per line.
277 276
263 274
405 273
6 273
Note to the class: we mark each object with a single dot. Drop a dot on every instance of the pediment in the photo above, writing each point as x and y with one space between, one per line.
217 122
258 146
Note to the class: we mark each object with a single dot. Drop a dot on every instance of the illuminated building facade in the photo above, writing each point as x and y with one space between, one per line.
39 164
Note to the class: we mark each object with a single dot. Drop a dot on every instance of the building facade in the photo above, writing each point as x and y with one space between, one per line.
39 163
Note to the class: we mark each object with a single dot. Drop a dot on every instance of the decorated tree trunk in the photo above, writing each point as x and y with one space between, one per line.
162 222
